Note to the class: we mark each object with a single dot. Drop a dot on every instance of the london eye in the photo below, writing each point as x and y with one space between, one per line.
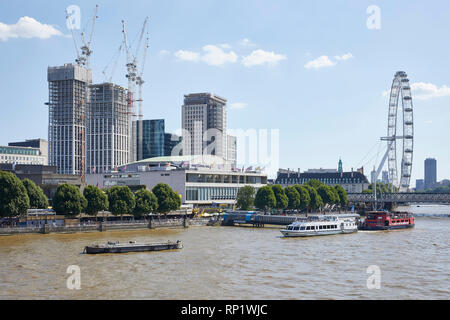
400 89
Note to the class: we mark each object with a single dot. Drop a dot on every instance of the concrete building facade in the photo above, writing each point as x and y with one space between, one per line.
40 144
68 100
430 173
107 132
352 182
204 124
200 182
22 155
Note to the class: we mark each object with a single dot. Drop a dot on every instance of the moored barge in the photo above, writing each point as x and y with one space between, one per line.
116 247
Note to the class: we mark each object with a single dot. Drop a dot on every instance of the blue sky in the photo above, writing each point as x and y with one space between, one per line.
256 54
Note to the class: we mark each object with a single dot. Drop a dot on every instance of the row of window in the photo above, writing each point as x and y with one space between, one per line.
210 194
8 150
326 181
324 227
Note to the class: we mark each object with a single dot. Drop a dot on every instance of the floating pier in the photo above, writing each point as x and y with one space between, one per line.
260 220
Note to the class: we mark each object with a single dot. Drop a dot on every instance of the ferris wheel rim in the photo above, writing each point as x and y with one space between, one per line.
400 87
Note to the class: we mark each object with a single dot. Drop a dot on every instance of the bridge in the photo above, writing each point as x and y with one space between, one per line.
410 197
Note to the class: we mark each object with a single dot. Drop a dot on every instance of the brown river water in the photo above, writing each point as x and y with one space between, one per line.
234 263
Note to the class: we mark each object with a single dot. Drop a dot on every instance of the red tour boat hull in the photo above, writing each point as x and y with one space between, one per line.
384 220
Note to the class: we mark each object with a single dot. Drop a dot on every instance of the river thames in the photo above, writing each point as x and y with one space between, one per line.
236 263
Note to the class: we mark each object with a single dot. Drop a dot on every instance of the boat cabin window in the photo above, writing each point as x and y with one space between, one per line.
302 228
296 228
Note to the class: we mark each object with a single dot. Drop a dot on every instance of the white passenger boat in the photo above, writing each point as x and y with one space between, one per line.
320 226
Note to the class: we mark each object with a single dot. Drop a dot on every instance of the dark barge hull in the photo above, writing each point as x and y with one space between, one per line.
132 248
406 226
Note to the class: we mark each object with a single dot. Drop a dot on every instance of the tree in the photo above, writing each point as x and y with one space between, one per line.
68 200
343 199
121 200
305 199
316 201
314 183
38 200
168 200
328 194
293 197
146 202
280 197
381 188
14 199
245 197
97 200
265 198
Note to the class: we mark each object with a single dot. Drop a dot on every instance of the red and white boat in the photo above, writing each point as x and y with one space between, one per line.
385 220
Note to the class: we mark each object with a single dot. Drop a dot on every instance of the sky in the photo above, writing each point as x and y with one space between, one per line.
319 72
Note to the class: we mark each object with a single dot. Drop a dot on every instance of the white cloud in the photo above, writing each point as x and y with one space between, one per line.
423 91
238 105
246 43
215 56
259 57
225 46
164 52
187 55
321 62
344 57
27 28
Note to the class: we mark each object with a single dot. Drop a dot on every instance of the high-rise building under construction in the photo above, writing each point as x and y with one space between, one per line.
68 100
107 135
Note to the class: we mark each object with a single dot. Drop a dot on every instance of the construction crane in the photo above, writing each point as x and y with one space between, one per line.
84 58
134 79
113 64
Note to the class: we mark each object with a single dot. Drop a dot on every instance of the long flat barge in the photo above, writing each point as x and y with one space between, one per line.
116 247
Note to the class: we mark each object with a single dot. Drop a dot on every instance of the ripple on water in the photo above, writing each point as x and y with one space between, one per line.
233 263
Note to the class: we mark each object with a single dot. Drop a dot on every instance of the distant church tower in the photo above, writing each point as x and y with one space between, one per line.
340 166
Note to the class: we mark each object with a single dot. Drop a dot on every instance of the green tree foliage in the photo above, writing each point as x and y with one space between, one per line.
168 200
280 197
245 198
14 199
146 202
97 200
327 195
305 199
121 200
314 183
265 199
293 196
381 188
38 200
343 199
316 201
439 189
68 200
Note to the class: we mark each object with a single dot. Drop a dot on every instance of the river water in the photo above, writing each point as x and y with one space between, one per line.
236 263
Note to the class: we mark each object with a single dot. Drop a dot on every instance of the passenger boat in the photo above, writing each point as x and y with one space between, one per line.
321 226
116 247
385 220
